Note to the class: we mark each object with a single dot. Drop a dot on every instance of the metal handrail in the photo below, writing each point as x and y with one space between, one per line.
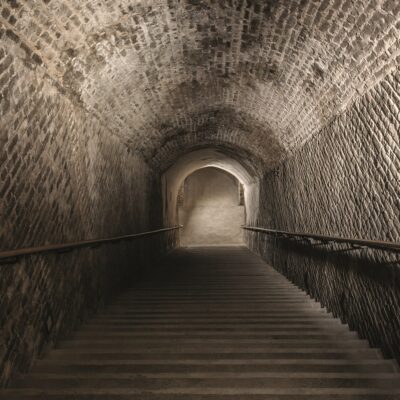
12 255
376 244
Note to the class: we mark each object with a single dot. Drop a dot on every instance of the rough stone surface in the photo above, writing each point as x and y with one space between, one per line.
166 74
97 98
345 182
63 178
210 212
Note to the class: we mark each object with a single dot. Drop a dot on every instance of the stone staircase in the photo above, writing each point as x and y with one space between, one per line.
212 323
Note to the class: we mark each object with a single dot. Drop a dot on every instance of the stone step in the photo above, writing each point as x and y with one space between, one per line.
152 382
133 346
307 312
241 392
313 314
226 329
189 289
216 374
223 318
221 365
211 298
223 285
161 341
93 335
192 325
117 352
295 303
221 333
275 308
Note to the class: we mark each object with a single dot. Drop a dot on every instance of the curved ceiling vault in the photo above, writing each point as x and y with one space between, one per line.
203 158
167 75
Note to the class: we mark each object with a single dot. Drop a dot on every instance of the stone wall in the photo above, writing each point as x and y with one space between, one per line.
258 75
63 177
88 90
344 182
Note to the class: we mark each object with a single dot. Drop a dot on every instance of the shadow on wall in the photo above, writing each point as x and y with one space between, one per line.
210 207
360 286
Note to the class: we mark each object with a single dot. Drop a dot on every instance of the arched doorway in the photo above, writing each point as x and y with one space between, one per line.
175 175
211 208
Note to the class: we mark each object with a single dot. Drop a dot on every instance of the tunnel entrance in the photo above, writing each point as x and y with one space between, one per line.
211 208
214 194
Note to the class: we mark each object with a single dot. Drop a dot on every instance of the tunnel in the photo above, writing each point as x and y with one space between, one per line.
129 269
220 222
210 209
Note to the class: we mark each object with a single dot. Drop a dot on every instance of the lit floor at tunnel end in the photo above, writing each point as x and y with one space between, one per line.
200 200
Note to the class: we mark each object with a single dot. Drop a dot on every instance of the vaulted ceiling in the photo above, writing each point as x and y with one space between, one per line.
166 76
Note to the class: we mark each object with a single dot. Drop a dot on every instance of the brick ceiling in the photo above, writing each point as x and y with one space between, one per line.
255 76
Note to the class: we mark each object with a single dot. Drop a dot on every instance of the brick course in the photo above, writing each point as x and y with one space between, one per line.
63 178
344 182
261 75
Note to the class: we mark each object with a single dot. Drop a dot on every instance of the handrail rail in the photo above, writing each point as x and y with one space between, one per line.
64 247
376 244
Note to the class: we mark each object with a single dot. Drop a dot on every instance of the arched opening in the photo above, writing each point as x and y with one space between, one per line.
211 208
174 177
